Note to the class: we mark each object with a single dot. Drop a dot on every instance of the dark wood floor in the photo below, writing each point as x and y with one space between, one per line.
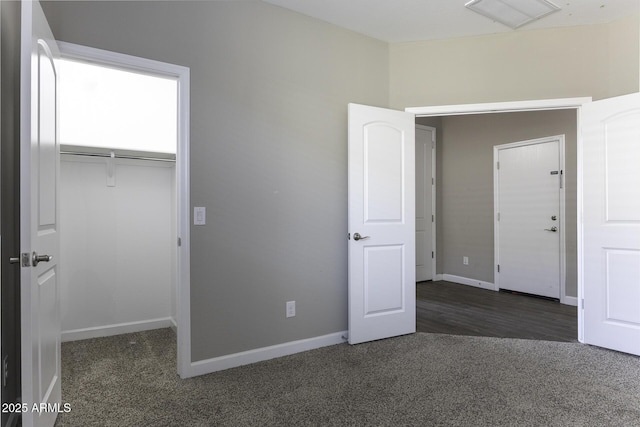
450 308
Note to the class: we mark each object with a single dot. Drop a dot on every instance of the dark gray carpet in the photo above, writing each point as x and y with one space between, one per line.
415 380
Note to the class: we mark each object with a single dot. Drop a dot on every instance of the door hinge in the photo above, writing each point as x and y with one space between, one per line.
432 255
432 218
561 179
497 165
498 216
498 268
179 241
433 182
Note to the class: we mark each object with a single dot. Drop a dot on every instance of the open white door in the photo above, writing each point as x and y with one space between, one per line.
611 223
382 300
39 236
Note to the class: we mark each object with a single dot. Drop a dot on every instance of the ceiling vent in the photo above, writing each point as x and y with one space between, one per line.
513 13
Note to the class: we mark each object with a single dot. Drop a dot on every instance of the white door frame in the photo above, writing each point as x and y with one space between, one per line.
182 75
433 199
538 105
496 234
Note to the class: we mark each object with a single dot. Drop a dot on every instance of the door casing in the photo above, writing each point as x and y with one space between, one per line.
519 106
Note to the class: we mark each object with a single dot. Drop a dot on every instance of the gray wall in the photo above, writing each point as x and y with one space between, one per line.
467 185
269 101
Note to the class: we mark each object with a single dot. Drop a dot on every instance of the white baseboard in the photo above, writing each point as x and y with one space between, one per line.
121 328
569 301
438 277
202 367
469 282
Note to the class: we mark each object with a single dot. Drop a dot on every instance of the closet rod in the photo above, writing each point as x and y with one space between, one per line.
117 156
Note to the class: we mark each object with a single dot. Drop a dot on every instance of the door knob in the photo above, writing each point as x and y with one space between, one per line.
554 229
357 236
35 258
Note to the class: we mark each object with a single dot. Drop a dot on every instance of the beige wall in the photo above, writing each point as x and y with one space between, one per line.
269 95
467 186
597 60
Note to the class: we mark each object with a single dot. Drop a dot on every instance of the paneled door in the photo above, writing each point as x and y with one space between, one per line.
425 197
382 257
39 234
528 226
611 223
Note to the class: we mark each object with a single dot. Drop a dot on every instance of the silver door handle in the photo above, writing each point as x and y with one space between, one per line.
554 229
357 236
35 258
14 260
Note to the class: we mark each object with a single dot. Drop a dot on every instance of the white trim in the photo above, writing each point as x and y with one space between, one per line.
580 235
260 354
438 277
433 131
469 282
117 329
569 301
182 74
561 222
499 107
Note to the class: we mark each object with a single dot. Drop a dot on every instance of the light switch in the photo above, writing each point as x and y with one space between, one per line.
199 215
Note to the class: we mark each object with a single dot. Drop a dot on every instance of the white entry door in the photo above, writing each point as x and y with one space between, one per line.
611 223
528 186
39 236
425 196
381 223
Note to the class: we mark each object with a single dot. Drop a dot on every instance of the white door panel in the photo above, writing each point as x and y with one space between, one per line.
382 210
528 199
425 164
611 223
40 294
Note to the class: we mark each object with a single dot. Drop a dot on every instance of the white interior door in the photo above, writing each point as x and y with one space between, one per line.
425 196
39 237
611 223
381 223
528 216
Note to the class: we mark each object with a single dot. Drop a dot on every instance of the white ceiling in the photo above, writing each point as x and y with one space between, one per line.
410 20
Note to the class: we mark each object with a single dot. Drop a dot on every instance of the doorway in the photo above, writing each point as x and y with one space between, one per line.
128 202
465 217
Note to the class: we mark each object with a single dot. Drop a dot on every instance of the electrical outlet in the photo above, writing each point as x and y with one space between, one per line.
465 260
291 309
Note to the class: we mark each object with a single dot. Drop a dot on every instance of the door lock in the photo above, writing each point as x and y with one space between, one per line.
553 218
24 260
